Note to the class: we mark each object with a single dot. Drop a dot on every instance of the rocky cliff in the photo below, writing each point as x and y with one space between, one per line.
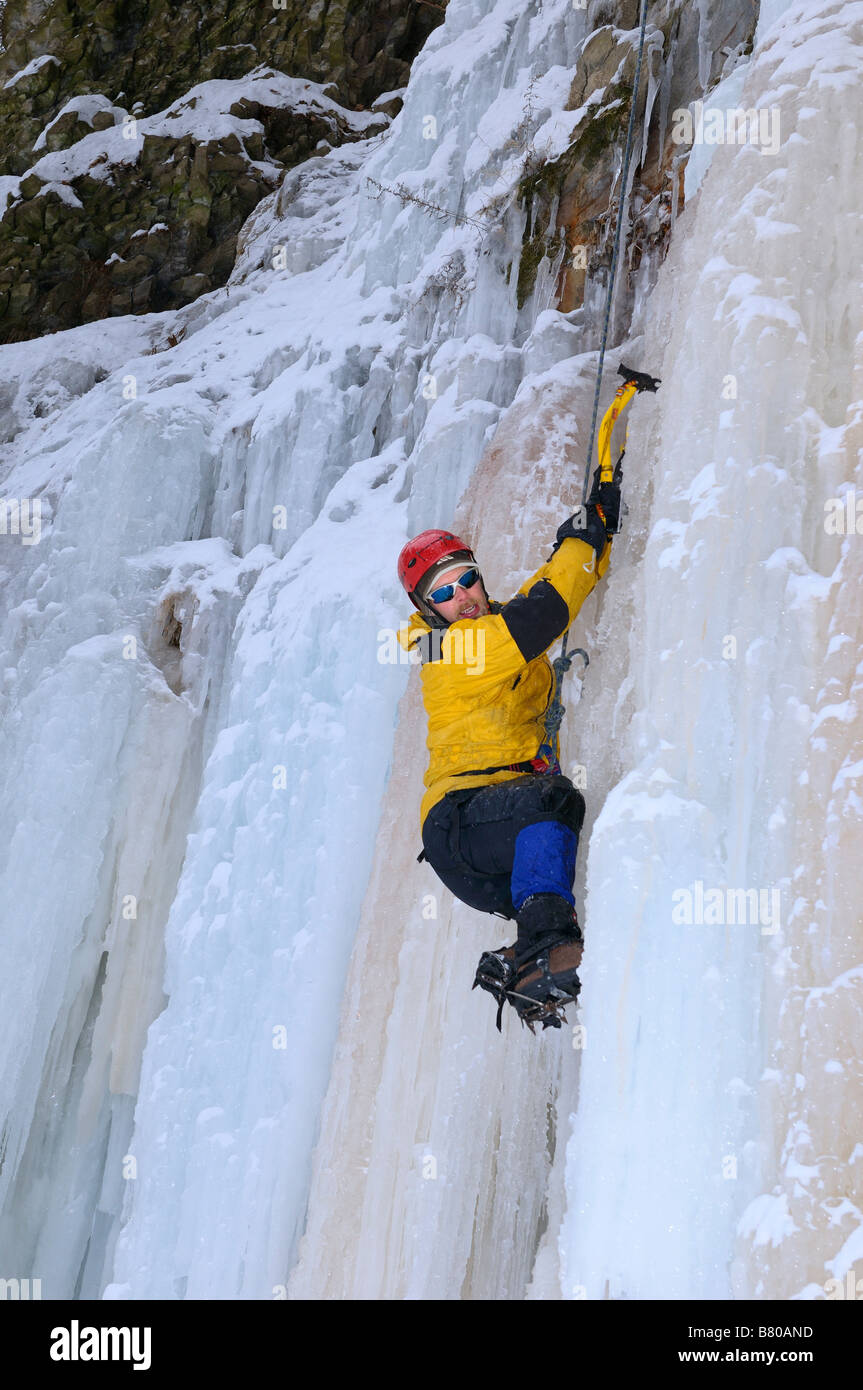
143 211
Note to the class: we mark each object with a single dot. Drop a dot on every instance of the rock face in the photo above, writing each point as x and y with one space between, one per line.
144 211
572 202
152 51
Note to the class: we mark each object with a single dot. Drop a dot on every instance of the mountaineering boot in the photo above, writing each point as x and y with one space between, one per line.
547 956
496 972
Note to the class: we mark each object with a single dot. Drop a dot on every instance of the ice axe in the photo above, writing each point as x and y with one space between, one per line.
633 381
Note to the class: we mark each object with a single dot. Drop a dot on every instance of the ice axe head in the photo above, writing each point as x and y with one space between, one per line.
642 381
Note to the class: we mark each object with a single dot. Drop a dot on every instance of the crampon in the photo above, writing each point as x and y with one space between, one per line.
497 974
548 1012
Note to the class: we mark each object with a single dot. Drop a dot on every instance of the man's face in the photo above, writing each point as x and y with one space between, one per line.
465 603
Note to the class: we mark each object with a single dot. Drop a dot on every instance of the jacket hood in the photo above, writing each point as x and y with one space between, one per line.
417 626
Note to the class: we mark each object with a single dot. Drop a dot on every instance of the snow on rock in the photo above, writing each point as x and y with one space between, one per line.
204 112
34 65
84 109
66 194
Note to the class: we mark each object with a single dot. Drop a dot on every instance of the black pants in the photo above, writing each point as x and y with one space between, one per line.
469 836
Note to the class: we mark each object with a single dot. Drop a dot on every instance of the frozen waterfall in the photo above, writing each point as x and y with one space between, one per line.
241 1058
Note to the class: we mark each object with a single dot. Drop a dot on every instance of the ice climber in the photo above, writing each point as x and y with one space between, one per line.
500 822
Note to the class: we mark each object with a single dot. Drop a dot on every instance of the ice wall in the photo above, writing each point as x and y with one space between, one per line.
698 727
724 1058
432 1177
199 727
157 483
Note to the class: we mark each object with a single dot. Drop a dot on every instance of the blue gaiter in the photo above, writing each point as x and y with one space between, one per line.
544 861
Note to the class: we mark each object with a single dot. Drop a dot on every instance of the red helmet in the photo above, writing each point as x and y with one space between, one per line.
428 554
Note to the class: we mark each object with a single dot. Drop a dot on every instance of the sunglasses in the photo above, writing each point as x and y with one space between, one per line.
446 591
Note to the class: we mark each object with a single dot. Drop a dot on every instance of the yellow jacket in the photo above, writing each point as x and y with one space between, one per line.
487 682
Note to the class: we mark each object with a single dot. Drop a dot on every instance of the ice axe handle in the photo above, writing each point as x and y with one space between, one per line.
643 382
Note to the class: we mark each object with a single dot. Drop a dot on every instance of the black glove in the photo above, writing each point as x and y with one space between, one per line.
607 496
584 525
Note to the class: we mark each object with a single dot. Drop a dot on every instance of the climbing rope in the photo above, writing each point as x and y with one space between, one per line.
616 248
561 664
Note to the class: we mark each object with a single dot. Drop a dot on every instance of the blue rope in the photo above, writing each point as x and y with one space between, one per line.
562 663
